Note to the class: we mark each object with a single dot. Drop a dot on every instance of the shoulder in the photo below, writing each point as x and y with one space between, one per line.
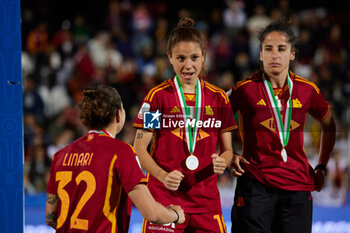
253 80
300 81
116 143
61 153
214 90
158 90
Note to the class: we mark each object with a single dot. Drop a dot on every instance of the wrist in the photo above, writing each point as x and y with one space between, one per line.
177 216
321 167
161 175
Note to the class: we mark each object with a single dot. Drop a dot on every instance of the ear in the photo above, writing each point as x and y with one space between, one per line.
260 55
169 57
292 54
117 116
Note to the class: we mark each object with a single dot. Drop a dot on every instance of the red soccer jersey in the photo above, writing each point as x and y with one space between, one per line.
92 178
261 144
198 191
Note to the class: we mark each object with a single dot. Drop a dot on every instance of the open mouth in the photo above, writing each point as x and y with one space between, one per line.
188 75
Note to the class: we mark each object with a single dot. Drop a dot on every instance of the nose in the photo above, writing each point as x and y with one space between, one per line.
188 64
274 54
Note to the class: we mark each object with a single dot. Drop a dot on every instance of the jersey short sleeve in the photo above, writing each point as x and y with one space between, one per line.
51 186
319 108
129 170
228 121
148 105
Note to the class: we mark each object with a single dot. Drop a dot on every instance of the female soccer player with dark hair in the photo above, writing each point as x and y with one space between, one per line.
273 194
92 178
192 116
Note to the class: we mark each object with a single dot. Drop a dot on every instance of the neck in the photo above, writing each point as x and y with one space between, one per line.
189 87
112 130
277 81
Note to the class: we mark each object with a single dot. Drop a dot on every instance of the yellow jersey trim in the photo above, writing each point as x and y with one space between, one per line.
218 90
111 216
297 78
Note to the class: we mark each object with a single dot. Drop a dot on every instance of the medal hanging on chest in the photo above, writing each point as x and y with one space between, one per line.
192 161
283 129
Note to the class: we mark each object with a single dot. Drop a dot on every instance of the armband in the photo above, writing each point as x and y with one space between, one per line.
321 167
177 219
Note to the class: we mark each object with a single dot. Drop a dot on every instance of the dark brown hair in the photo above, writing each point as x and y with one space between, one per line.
186 32
99 106
278 26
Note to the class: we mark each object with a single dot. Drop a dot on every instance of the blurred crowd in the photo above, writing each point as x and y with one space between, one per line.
128 52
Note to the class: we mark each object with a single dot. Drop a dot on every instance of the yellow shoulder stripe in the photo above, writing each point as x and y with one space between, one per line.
155 89
158 89
131 147
241 83
218 90
308 82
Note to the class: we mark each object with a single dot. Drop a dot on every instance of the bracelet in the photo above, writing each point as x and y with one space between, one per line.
177 219
321 167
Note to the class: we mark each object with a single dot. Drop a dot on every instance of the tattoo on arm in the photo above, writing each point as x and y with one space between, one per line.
51 199
139 135
51 210
51 219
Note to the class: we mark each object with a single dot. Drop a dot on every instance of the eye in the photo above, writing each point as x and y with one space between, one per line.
282 49
181 59
195 57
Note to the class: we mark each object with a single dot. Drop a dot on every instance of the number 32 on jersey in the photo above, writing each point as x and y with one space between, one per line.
64 177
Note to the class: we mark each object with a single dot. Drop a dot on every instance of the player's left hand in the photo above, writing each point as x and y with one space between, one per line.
319 180
219 164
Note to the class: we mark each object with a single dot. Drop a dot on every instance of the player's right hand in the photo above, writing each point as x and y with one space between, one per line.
173 179
235 168
179 211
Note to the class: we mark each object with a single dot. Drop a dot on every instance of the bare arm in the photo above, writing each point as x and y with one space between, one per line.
172 179
154 211
223 160
237 161
326 147
51 210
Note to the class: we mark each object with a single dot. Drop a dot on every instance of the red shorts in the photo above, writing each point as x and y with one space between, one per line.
194 223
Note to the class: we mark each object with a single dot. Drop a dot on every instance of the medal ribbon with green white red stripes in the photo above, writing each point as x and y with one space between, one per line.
283 129
191 135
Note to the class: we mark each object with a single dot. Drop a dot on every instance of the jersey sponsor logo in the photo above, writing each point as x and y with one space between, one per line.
179 132
175 110
151 120
270 124
144 108
261 102
209 111
297 103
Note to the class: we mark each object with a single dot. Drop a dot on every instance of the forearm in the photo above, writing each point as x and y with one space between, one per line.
141 142
150 165
327 142
150 209
227 155
226 148
51 210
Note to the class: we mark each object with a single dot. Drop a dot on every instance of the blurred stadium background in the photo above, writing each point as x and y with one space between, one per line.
68 45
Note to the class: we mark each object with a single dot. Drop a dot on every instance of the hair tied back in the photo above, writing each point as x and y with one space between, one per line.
91 93
186 22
